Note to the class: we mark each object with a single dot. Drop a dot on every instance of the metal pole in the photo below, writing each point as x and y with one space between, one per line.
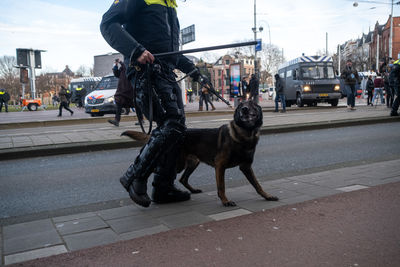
32 70
391 32
326 49
339 59
255 39
377 54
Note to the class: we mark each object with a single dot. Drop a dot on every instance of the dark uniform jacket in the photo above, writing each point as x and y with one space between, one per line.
4 96
132 26
253 86
279 86
124 94
395 75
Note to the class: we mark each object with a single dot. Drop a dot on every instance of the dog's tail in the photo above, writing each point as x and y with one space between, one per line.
138 136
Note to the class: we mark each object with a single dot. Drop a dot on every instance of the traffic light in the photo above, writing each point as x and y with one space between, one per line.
23 75
22 57
38 59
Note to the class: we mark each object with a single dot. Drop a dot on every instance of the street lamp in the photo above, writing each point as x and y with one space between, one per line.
254 29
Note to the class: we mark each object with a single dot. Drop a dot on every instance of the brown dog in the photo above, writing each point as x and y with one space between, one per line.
228 146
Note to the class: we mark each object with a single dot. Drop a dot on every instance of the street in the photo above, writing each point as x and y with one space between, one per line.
89 181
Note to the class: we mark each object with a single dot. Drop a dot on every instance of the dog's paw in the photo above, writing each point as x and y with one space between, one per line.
229 204
272 198
196 191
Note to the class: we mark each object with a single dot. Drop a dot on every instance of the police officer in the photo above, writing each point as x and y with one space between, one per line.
138 29
394 82
4 98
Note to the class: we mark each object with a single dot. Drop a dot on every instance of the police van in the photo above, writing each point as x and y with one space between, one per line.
310 80
87 83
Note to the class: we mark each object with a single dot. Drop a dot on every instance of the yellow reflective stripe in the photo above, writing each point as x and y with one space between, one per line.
78 89
171 3
2 93
397 62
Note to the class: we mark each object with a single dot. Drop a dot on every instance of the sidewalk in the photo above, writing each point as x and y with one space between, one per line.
99 135
350 229
195 220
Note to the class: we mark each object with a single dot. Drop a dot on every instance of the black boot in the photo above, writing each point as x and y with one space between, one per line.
168 194
135 178
164 190
136 187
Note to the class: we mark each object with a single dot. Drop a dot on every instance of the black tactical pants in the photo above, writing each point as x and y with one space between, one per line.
160 153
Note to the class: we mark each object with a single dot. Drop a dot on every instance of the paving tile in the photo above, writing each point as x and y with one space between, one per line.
6 145
333 182
212 207
80 225
24 229
229 214
317 191
34 254
260 205
90 239
293 185
132 223
184 219
283 193
31 241
5 140
143 232
25 144
119 212
73 217
351 188
159 210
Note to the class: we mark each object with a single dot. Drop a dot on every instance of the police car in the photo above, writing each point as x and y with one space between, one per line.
101 100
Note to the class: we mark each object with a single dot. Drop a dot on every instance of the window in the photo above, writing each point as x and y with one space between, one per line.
227 62
319 71
289 73
219 72
219 83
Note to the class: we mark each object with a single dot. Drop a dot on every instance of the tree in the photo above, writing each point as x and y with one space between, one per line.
9 76
83 71
271 57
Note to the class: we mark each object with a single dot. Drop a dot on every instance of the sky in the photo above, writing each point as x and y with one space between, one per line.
69 29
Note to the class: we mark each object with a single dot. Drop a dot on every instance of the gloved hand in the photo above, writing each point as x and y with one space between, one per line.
200 78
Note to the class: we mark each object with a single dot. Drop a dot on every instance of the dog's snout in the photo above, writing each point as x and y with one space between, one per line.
245 110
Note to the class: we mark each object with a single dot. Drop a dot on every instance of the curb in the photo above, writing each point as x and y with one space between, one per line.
81 147
127 118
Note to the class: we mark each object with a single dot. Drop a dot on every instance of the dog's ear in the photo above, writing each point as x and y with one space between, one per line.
236 115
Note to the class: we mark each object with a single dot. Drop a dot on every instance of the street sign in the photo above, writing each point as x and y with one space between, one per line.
259 45
188 34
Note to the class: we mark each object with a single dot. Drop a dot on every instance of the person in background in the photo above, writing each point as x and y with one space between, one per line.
124 94
4 98
394 81
280 94
63 101
388 89
378 89
190 94
55 100
350 77
206 97
370 88
253 88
